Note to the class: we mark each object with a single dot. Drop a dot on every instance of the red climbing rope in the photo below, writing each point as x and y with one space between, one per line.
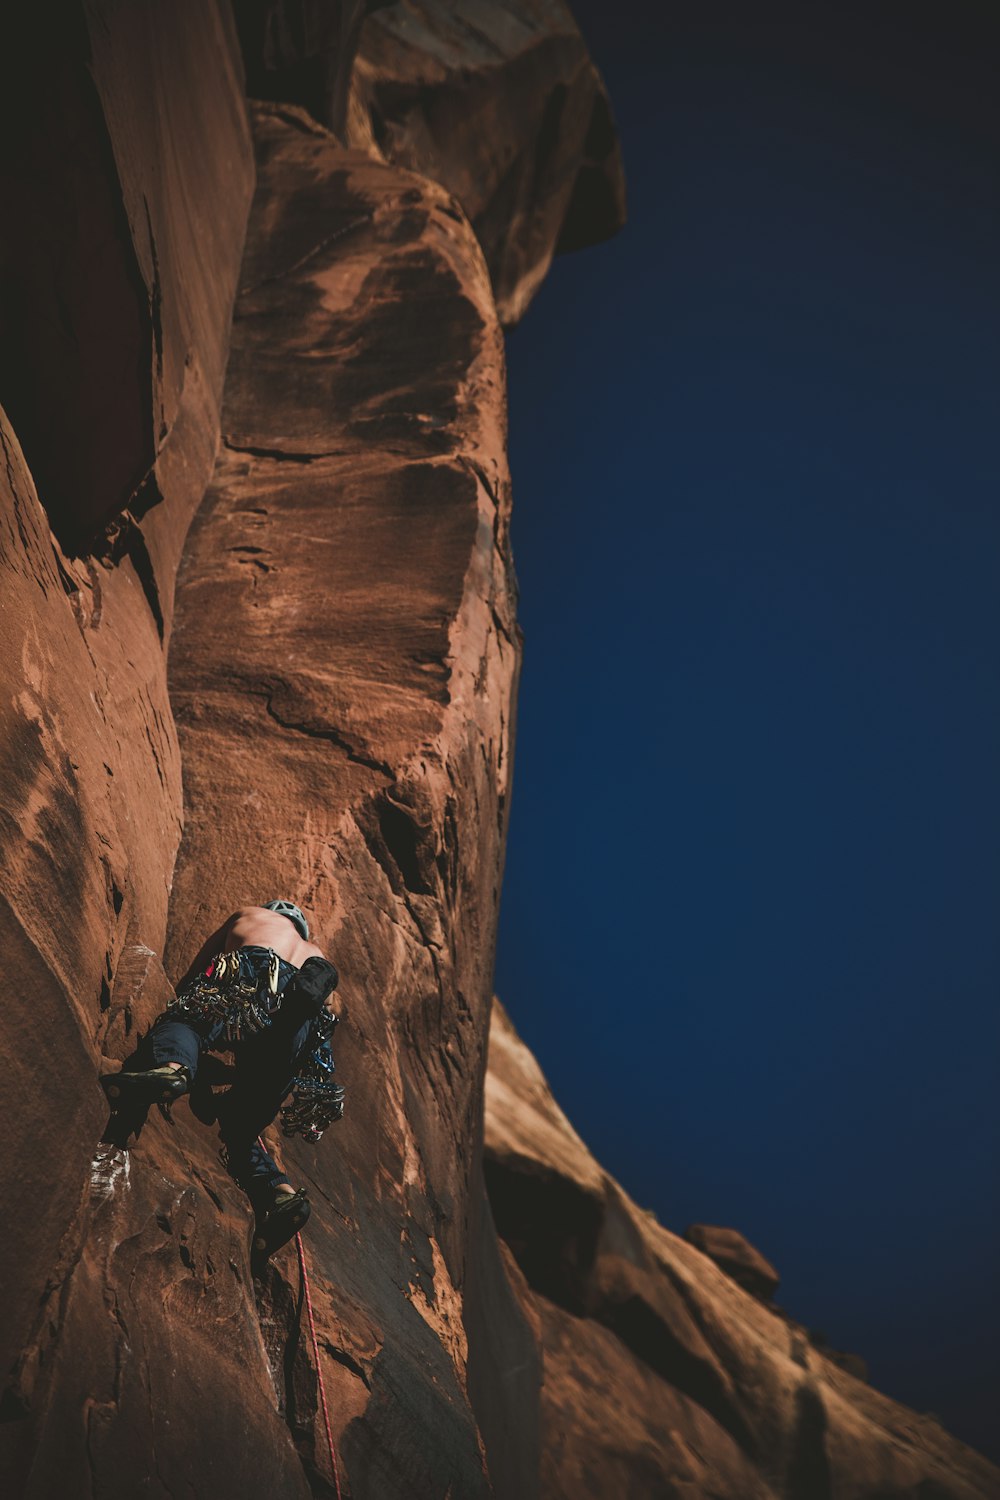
319 1368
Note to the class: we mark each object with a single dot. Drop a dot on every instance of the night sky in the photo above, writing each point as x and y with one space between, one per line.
750 916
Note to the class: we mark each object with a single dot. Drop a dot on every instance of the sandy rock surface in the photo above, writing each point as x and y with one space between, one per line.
734 1254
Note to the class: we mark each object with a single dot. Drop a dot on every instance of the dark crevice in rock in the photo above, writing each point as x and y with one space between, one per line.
124 538
373 832
284 455
303 260
343 1358
402 838
76 366
279 1313
551 1226
326 732
155 300
809 1470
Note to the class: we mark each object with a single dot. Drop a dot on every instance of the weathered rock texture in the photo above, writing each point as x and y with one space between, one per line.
498 100
735 1255
343 665
106 237
662 1377
342 675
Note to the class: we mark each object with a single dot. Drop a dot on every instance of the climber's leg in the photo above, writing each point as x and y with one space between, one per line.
265 1069
161 1069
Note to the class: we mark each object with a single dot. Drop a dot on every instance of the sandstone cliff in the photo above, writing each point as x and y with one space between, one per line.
663 1376
319 375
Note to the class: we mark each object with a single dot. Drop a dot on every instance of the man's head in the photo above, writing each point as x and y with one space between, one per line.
291 911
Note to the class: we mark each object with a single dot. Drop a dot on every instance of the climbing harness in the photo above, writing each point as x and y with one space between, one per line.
242 992
241 989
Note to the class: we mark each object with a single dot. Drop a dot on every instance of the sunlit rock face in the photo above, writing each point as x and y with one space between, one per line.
342 674
320 377
343 668
662 1375
121 248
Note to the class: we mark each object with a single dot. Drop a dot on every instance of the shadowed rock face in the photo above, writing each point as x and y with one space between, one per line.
121 242
502 104
302 52
661 1375
344 674
498 100
90 783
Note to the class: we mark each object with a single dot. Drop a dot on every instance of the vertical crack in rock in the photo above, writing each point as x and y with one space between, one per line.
365 372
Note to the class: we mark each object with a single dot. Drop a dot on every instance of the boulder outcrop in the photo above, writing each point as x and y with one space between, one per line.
662 1376
734 1254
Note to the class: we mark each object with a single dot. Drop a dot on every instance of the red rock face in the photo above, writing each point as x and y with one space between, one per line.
342 672
90 783
662 1375
737 1257
343 667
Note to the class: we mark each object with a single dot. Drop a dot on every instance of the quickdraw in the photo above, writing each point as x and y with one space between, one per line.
231 990
317 1101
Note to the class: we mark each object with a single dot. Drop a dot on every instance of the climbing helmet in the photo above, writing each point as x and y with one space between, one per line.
291 911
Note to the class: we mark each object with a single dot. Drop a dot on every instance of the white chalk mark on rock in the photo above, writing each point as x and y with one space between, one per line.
108 1170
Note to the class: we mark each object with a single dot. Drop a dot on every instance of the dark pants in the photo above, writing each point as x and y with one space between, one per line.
265 1066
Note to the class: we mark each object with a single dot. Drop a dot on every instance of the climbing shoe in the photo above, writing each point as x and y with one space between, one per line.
276 1228
156 1086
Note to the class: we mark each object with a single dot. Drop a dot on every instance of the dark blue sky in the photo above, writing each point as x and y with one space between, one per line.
749 921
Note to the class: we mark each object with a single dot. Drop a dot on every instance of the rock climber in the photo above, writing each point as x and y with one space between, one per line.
260 989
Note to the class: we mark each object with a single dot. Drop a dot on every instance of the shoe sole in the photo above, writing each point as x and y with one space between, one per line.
286 1229
138 1092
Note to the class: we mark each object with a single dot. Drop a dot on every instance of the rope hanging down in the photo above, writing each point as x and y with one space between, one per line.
319 1368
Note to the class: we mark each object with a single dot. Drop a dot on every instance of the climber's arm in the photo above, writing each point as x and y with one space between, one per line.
209 948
